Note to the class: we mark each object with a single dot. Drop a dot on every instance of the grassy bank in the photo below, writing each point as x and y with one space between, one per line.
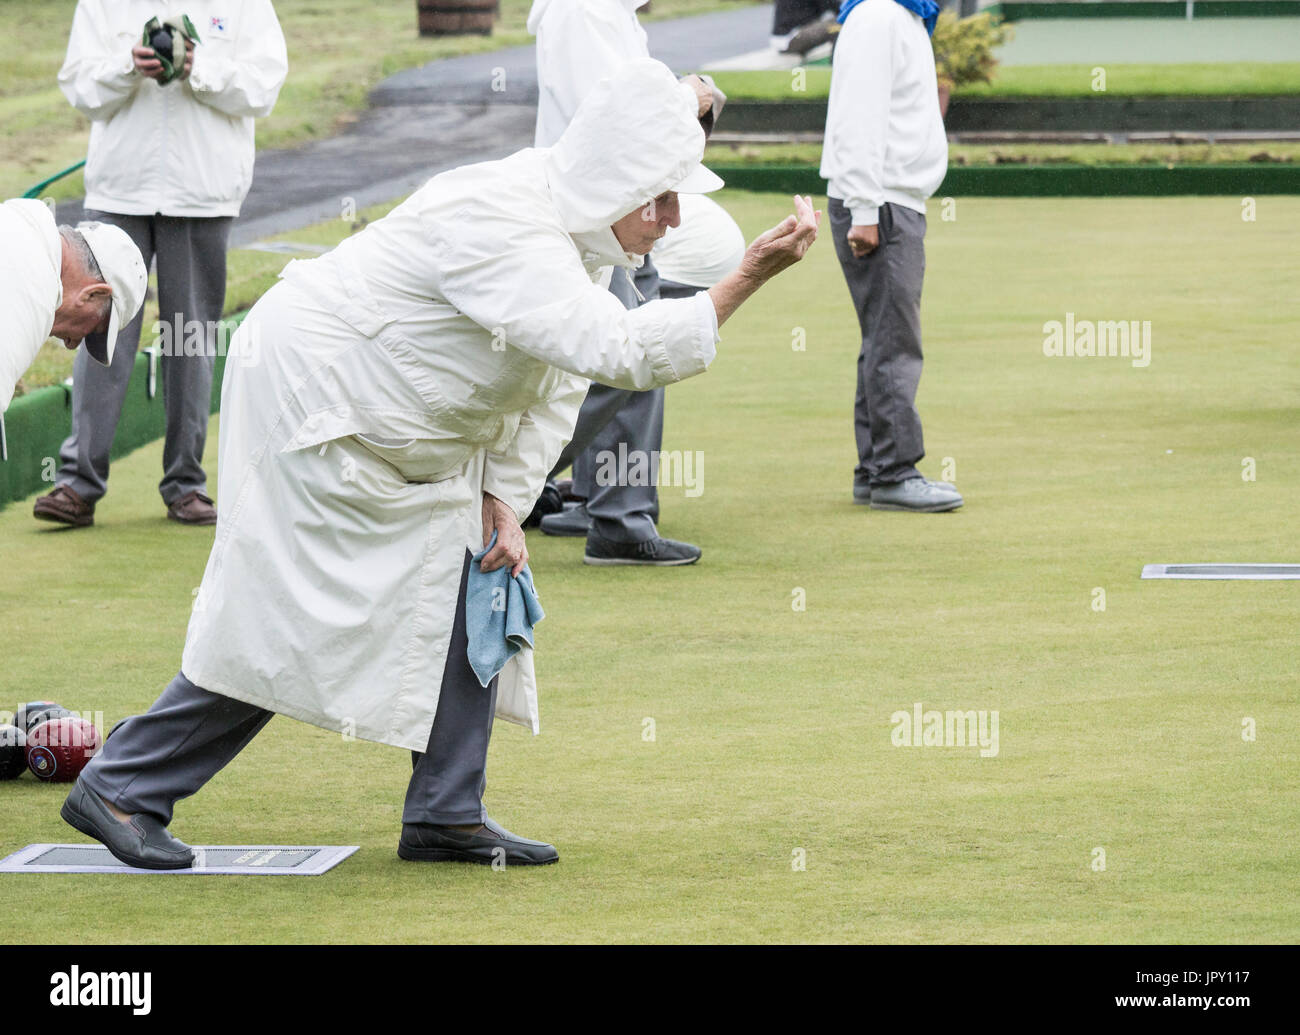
1193 80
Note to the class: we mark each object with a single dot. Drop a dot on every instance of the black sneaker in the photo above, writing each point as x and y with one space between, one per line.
572 522
663 553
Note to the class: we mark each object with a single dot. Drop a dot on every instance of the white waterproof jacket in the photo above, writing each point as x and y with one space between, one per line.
31 287
375 393
185 149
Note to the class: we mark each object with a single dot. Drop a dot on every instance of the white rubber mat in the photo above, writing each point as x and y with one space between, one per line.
235 860
1249 572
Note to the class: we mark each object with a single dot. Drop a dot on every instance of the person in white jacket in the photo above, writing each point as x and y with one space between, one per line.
388 408
885 153
578 43
78 284
169 164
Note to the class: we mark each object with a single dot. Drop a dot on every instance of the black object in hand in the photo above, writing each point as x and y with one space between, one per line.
161 42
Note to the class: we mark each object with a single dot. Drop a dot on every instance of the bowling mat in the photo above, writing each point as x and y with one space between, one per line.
236 860
1246 572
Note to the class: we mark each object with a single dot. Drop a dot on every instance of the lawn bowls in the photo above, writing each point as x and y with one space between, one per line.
59 748
13 752
27 712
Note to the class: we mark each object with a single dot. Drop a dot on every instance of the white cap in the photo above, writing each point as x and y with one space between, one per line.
123 268
700 180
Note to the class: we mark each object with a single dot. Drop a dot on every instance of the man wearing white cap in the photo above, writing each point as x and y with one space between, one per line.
387 409
77 284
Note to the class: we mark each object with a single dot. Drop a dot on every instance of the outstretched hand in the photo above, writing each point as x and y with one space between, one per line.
783 245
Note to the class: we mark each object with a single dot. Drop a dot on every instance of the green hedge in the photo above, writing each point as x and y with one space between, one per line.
37 424
1016 12
1244 179
1081 114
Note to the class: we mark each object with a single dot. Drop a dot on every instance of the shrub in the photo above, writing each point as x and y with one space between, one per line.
963 47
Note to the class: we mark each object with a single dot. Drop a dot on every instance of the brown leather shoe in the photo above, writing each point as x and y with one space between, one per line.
66 507
193 508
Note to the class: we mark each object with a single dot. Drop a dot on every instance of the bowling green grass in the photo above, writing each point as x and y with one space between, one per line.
1119 730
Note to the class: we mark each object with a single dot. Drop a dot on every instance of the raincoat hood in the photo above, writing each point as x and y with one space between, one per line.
633 137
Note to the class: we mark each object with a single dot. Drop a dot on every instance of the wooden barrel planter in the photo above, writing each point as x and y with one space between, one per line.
456 17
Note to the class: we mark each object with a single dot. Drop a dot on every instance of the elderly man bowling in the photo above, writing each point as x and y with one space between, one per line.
78 284
392 406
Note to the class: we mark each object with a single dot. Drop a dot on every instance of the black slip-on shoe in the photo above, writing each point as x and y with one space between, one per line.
143 842
664 553
492 843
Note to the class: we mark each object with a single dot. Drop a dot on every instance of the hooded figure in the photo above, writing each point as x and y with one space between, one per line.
376 393
384 407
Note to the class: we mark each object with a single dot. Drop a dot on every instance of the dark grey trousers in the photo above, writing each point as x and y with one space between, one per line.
190 734
886 290
191 262
610 416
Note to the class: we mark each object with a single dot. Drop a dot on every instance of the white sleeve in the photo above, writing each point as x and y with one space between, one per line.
857 119
21 341
526 283
242 77
98 74
517 474
577 47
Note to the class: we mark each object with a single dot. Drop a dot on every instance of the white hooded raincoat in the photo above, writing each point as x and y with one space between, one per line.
374 394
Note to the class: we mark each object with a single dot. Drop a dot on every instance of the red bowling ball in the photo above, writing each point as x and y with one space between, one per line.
57 750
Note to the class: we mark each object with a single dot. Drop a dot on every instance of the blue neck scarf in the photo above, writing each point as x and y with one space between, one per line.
928 10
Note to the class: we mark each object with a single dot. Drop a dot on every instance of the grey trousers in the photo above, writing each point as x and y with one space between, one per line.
190 734
610 416
191 262
886 290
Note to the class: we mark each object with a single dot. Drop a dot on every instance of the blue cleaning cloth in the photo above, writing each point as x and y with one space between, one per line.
500 612
927 10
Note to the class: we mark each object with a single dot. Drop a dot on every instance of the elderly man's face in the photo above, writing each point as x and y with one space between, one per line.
637 231
84 310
